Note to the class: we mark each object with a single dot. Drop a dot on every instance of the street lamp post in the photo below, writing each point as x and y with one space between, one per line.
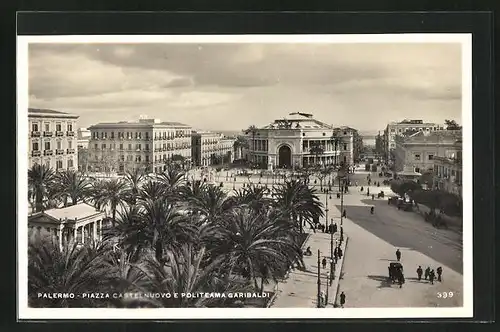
326 285
341 176
319 282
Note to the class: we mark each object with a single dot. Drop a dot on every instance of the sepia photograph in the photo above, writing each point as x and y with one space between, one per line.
255 176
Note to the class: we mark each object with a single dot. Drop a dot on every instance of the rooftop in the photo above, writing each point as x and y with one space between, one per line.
78 211
48 112
298 121
140 123
442 136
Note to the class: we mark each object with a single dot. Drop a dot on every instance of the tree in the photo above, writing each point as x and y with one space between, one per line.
404 187
336 139
73 185
40 179
252 130
73 270
452 125
316 150
239 144
110 193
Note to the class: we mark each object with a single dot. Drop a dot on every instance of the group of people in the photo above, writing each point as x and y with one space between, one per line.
429 274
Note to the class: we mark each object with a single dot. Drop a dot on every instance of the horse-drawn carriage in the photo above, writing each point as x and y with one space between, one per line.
396 273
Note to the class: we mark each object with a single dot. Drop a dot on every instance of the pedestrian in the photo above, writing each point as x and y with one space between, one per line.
340 252
398 255
368 192
432 275
342 299
344 214
341 238
362 188
336 252
419 273
341 230
323 262
335 229
427 272
439 271
356 183
322 299
373 197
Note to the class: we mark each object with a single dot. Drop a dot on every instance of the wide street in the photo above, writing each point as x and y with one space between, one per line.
373 240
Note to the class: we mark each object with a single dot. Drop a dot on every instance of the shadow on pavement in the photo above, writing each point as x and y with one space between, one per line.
385 282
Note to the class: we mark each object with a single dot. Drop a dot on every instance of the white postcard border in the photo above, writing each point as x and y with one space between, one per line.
24 312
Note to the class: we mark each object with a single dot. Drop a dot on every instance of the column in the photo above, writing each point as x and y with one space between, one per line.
83 234
60 235
94 230
75 234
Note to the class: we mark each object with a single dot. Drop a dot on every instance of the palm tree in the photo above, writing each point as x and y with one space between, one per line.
298 202
73 185
336 141
72 270
252 130
40 179
240 143
172 178
110 193
133 179
164 226
256 245
316 149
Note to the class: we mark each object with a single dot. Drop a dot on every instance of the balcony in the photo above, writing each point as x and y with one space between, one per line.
59 151
70 151
35 134
70 133
36 153
59 133
48 152
47 134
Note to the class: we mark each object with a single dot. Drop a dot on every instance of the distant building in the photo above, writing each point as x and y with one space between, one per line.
52 139
394 129
290 143
419 151
448 170
209 148
147 144
83 137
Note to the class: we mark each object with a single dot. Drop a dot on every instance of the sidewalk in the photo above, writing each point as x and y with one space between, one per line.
300 288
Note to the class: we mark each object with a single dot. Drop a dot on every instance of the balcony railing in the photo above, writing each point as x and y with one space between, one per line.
70 133
36 153
47 134
48 152
59 133
59 151
70 151
35 134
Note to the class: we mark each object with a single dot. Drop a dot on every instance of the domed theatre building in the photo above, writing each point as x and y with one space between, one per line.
299 141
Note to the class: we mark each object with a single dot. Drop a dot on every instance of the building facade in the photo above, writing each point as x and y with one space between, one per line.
448 170
395 129
419 151
209 148
293 143
147 144
52 139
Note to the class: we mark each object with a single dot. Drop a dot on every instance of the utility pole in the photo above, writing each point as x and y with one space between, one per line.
319 282
326 285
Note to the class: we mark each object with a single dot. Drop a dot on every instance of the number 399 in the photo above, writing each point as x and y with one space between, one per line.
444 295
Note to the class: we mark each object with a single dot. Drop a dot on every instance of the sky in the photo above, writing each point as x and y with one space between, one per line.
232 86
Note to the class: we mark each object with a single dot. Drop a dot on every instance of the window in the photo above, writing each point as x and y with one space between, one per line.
122 158
147 158
58 127
112 134
70 145
95 146
417 156
138 158
70 163
47 126
147 147
345 146
431 157
138 147
70 127
121 146
103 146
96 158
35 146
58 145
34 127
47 145
59 164
105 134
393 130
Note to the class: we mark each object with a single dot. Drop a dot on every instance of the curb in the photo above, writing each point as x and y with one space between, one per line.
273 298
341 267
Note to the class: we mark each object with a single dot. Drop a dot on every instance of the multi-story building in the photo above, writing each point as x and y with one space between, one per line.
291 143
52 139
83 136
448 170
395 129
209 148
346 145
147 144
419 151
